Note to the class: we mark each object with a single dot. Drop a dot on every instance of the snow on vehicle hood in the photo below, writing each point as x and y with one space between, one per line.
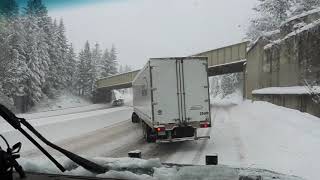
140 169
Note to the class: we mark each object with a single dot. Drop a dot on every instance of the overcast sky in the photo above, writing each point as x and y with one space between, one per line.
141 29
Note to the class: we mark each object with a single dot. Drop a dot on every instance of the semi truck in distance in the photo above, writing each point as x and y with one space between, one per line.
171 99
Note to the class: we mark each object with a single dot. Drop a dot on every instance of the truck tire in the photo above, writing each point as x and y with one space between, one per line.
135 118
147 133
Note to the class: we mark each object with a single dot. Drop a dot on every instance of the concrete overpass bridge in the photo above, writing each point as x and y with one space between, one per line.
225 60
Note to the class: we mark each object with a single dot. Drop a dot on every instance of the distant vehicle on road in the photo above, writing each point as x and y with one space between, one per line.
118 98
118 102
171 99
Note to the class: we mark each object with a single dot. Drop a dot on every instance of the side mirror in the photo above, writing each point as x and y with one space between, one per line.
16 148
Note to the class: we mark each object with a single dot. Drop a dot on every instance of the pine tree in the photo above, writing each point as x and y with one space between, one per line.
305 5
84 71
70 65
271 13
96 60
109 62
52 79
62 55
113 61
36 8
37 59
13 67
124 68
9 8
14 59
105 69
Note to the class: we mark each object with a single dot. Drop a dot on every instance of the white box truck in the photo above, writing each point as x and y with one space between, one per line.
171 99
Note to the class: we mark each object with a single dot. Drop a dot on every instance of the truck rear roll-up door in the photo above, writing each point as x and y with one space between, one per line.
196 92
180 90
165 100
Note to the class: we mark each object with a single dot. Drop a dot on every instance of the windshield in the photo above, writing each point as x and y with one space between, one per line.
234 84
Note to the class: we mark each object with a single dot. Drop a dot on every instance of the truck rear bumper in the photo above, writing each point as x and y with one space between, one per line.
182 139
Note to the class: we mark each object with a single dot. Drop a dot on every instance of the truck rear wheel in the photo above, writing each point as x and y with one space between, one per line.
135 118
148 135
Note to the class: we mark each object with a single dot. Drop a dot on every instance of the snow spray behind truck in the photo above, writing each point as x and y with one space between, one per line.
171 99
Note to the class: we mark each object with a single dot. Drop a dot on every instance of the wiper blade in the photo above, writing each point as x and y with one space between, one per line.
16 122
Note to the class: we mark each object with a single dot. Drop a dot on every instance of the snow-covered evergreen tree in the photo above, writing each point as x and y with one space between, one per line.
37 59
13 60
105 68
36 8
304 5
62 55
113 61
97 60
109 62
85 71
9 8
57 77
270 14
70 65
124 68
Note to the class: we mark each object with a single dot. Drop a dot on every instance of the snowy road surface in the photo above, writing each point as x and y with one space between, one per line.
62 127
256 134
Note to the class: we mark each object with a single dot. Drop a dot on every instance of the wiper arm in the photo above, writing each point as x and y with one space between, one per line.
16 123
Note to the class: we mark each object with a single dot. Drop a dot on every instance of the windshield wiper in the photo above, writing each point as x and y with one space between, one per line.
16 122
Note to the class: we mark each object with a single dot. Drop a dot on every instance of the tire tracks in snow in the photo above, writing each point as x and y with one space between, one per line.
92 141
202 148
237 136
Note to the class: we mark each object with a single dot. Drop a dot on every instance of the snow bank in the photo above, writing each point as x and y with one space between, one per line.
73 110
139 169
121 168
288 90
62 101
277 138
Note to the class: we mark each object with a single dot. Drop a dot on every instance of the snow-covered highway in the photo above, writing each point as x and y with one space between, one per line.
58 128
257 134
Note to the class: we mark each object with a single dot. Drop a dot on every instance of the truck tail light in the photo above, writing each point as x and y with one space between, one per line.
160 129
204 125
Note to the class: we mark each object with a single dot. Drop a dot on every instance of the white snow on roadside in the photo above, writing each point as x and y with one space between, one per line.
5 127
288 90
277 138
258 135
62 101
139 169
65 111
64 127
244 134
